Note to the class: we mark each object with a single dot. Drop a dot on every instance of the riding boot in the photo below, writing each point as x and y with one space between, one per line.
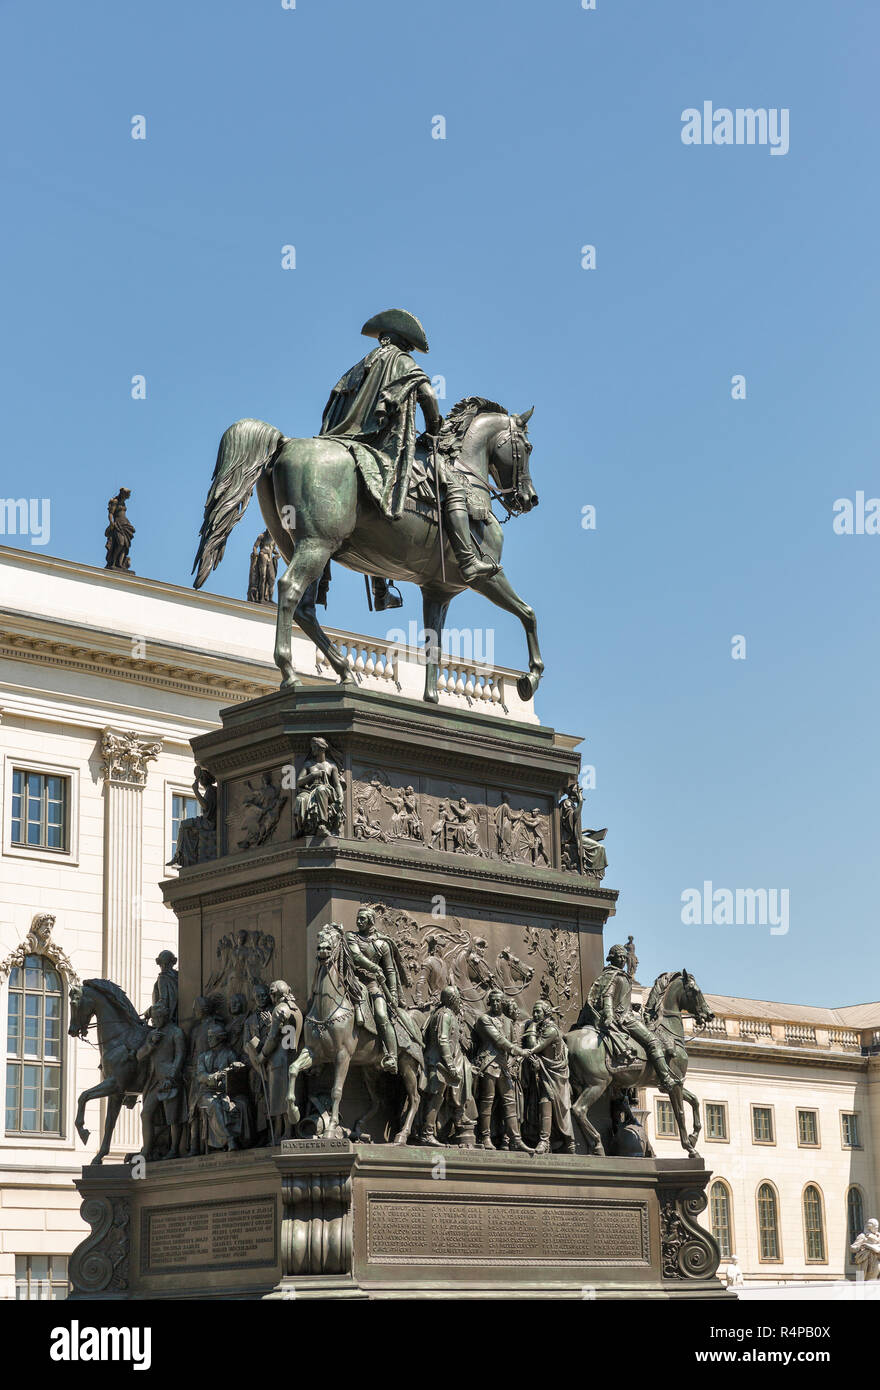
389 1043
484 1132
545 1111
384 595
511 1122
461 540
658 1058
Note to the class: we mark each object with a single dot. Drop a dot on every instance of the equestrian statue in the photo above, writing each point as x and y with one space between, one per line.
378 496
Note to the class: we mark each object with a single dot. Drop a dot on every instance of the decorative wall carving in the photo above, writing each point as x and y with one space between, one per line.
316 1226
689 1251
99 1265
38 942
125 756
557 949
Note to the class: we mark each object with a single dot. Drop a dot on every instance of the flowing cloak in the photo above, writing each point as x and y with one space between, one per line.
550 1082
372 410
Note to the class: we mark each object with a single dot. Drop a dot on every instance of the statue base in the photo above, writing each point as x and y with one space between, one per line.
330 1219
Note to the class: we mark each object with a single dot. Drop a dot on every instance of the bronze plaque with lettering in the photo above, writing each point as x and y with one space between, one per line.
209 1235
411 1228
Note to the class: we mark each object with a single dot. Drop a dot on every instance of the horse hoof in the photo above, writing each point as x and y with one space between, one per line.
431 697
526 687
290 683
97 1160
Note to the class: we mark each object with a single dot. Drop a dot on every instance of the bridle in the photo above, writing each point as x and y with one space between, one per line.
517 459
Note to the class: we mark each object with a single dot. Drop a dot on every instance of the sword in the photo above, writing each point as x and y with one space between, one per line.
439 508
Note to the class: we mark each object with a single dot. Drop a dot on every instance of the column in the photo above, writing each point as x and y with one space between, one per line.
125 756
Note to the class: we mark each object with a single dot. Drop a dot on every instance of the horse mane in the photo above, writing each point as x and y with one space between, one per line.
658 990
459 420
115 992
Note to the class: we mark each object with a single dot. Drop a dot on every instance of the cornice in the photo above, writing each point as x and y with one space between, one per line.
739 1050
336 861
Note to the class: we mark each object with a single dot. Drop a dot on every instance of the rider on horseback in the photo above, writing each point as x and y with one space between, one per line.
610 998
373 406
377 963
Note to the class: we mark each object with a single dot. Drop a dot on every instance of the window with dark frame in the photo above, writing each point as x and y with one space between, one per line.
40 810
34 1039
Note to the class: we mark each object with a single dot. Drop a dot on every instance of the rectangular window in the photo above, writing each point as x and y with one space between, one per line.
40 810
808 1129
850 1131
40 1277
34 1035
183 808
762 1124
716 1120
665 1119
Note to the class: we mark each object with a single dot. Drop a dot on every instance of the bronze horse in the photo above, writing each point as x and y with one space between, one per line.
591 1076
317 508
121 1031
332 1037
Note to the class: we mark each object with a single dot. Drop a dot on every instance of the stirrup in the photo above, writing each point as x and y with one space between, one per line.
389 597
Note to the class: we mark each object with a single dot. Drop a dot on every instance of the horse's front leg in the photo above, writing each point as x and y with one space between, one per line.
435 606
502 593
103 1088
302 1062
695 1110
677 1102
342 1062
580 1110
411 1083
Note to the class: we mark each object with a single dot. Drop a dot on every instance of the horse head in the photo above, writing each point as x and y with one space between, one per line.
329 943
82 1011
693 1002
509 452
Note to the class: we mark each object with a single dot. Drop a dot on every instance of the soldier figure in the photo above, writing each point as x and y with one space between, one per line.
277 1053
165 990
549 1063
447 1067
163 1095
610 998
378 965
374 404
493 1038
256 1031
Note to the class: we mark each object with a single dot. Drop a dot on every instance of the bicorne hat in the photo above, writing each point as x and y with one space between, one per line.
397 321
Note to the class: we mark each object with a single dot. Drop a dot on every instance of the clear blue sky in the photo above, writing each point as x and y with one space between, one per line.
313 127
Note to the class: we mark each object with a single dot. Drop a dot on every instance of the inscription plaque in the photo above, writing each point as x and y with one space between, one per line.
209 1235
407 1228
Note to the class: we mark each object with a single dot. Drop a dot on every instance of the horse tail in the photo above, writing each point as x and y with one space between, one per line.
245 450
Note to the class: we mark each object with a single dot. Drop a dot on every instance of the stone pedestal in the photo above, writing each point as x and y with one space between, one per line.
503 907
329 1219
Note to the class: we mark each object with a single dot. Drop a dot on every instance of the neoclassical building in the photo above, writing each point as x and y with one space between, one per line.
104 679
790 1098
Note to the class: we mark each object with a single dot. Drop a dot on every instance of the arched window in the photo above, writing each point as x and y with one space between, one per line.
814 1225
719 1215
855 1217
768 1222
34 1032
